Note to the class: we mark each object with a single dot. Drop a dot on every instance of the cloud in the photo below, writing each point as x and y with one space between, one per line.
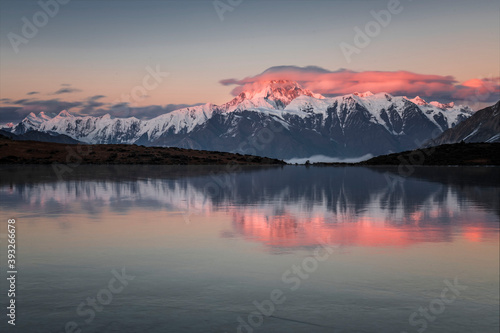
229 82
344 81
21 101
91 104
15 111
479 90
67 90
11 114
32 93
50 106
96 97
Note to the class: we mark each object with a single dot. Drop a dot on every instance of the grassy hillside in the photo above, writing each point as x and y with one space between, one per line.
33 152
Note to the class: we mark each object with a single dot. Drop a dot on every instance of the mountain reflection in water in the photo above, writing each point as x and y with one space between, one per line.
288 207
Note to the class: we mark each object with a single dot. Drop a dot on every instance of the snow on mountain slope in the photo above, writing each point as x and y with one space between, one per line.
177 121
108 130
482 126
38 119
7 126
446 115
88 129
308 118
418 100
31 122
304 105
271 95
378 104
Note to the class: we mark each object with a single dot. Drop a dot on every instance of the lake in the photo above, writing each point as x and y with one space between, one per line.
253 249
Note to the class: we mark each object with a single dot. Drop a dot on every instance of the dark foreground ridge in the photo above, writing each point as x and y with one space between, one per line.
452 154
34 152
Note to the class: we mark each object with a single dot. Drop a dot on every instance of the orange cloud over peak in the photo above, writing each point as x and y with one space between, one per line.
343 81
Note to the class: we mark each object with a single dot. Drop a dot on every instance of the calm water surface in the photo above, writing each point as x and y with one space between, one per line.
290 249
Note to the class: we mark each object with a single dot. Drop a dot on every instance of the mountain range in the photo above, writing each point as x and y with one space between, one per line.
483 126
278 119
33 135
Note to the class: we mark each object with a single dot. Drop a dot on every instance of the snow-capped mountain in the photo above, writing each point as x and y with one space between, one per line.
272 94
275 118
483 126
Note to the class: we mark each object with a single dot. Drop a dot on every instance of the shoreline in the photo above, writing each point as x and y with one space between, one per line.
45 153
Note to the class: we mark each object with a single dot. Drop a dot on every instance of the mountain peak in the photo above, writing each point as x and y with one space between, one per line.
311 125
269 88
419 101
443 105
365 94
43 116
278 93
64 114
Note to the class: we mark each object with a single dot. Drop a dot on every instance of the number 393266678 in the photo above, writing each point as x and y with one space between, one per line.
11 247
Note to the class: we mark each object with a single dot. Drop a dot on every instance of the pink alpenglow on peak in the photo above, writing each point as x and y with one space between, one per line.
419 101
43 116
276 89
37 119
31 115
65 114
331 121
442 105
275 94
365 94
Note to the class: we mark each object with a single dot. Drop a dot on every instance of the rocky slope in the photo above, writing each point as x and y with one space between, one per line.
277 119
483 126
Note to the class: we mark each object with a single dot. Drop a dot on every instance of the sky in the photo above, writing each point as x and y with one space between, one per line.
143 58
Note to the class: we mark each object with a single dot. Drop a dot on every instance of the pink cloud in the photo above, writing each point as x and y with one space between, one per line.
341 82
479 90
